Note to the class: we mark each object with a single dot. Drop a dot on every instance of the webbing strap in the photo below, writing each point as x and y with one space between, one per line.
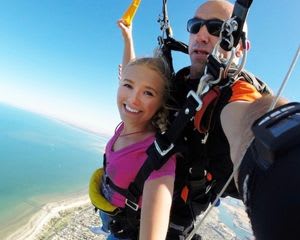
159 152
164 146
169 44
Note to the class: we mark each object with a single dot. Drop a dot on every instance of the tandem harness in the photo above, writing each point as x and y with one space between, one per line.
126 221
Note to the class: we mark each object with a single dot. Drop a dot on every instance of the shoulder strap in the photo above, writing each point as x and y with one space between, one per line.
260 85
209 101
165 144
159 152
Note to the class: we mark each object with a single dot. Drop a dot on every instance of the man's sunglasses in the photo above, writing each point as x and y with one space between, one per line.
213 26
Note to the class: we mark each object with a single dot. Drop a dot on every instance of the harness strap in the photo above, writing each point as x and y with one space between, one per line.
104 161
215 67
162 149
209 100
166 42
260 85
169 44
158 152
109 182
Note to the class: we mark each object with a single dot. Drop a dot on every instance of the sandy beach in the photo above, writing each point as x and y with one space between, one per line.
71 219
44 217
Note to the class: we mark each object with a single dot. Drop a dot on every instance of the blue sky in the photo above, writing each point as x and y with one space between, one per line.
60 57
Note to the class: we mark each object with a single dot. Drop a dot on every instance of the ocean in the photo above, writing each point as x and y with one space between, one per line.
42 160
243 231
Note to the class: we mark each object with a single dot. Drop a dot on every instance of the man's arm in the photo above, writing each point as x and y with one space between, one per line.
269 173
237 119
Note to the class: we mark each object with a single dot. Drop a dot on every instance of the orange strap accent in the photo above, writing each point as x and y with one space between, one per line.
184 193
244 91
209 98
209 177
241 91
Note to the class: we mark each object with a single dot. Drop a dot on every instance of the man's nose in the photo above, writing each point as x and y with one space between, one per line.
202 35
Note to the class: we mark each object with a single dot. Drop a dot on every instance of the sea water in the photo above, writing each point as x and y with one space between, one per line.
42 159
227 218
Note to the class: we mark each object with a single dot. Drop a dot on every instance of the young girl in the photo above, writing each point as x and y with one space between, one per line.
141 99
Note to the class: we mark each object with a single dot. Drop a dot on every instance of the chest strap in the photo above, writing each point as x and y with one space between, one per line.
203 116
158 153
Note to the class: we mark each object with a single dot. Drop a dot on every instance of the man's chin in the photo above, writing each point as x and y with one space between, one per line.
197 69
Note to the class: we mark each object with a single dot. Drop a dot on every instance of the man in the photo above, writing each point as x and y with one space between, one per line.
206 165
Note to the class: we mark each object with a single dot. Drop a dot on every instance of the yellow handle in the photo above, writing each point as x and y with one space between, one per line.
95 194
130 12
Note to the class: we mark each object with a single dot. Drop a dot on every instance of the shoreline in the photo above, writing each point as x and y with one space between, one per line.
72 218
42 217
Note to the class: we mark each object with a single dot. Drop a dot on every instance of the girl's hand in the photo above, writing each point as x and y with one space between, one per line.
126 30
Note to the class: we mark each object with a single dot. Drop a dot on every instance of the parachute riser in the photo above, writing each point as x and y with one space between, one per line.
163 20
166 43
231 35
219 67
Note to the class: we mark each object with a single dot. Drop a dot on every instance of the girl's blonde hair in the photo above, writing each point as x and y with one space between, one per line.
160 66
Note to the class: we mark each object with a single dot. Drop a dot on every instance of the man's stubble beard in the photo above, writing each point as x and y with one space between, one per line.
197 69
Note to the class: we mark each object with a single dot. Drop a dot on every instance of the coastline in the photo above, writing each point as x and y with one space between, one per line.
41 218
240 217
71 219
44 171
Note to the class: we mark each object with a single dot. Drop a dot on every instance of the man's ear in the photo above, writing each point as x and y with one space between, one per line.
240 48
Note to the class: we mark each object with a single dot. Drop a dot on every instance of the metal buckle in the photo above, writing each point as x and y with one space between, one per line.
163 152
197 99
131 204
